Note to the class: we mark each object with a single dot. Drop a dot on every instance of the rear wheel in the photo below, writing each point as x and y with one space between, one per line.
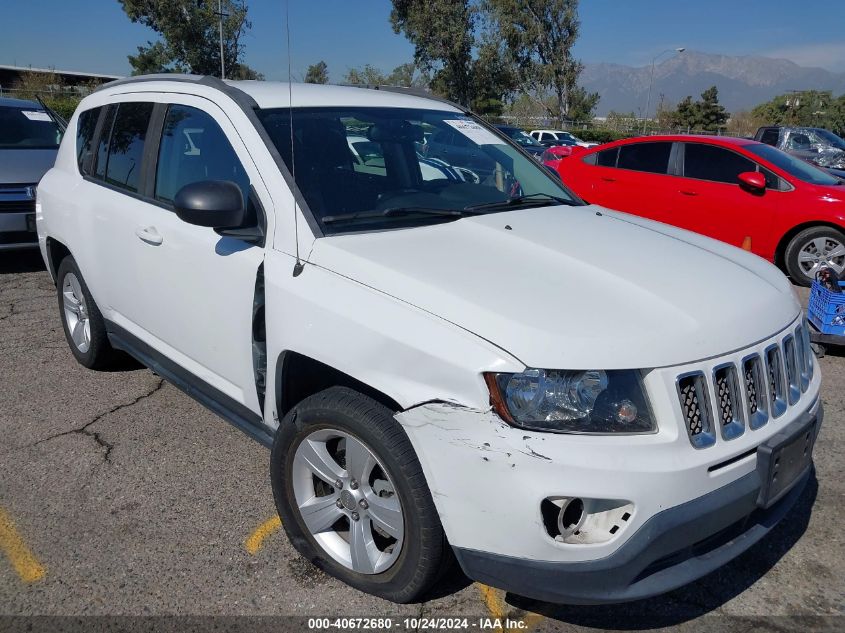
353 498
813 248
85 329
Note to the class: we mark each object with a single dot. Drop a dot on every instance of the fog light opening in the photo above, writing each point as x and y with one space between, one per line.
570 517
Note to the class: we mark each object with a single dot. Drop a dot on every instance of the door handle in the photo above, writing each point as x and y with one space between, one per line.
609 179
688 193
149 235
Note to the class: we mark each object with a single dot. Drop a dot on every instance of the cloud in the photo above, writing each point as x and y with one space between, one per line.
828 55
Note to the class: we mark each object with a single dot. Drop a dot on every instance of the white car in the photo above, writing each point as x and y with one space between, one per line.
489 370
559 135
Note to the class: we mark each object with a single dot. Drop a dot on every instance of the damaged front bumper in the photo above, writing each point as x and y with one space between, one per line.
488 481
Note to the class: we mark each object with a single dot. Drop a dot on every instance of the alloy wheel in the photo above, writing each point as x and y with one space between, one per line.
822 251
347 501
76 314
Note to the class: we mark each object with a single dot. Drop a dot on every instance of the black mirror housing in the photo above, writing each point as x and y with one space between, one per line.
216 204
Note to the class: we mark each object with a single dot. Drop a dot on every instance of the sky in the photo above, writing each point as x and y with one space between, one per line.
96 36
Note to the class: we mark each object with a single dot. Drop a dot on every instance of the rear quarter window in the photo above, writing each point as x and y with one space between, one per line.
85 139
647 157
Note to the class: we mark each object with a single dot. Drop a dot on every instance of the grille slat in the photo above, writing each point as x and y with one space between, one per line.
695 406
793 380
774 374
755 391
728 401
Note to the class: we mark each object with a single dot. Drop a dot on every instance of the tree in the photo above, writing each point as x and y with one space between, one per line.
711 115
816 108
539 35
317 73
685 115
190 38
442 32
404 75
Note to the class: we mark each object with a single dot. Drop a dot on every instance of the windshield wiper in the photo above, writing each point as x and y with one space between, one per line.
394 212
530 198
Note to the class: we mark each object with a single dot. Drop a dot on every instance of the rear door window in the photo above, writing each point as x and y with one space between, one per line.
648 157
707 162
126 147
607 157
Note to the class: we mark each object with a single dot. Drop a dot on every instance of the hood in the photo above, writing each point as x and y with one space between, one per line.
534 149
575 287
25 166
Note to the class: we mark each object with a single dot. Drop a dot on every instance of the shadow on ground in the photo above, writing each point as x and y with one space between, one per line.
23 261
697 599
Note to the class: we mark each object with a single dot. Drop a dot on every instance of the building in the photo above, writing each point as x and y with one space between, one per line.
10 76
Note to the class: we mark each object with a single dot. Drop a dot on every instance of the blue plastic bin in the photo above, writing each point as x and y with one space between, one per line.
826 309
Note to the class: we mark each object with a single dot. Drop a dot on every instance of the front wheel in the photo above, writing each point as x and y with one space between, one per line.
353 498
813 248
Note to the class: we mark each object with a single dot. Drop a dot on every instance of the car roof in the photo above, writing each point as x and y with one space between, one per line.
724 141
19 103
279 94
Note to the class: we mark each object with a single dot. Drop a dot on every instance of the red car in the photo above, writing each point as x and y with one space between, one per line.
739 191
555 154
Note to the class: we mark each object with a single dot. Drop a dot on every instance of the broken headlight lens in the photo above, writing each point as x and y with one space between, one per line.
584 401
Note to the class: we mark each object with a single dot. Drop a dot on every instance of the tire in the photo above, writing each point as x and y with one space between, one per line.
91 347
811 248
423 552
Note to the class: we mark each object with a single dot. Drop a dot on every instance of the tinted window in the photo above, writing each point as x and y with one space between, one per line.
770 136
607 158
793 166
126 147
103 144
27 128
194 148
476 171
650 157
85 138
707 162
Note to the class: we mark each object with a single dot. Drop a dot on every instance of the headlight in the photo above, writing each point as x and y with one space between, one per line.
588 401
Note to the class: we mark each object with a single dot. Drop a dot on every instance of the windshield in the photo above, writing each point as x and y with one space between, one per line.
375 168
520 136
830 138
27 128
792 165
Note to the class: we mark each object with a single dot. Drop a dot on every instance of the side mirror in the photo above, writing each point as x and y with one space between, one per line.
754 180
217 204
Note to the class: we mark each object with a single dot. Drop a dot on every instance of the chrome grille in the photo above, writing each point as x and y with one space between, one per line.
749 393
17 198
793 381
728 401
755 391
774 373
695 406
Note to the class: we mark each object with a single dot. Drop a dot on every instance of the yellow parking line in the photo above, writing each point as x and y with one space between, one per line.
494 600
256 539
22 559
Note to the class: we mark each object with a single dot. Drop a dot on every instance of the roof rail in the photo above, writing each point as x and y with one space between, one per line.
236 94
416 92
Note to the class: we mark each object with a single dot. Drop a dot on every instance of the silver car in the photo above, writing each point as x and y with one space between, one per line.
29 140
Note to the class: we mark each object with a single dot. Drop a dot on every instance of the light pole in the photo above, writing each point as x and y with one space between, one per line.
220 16
651 82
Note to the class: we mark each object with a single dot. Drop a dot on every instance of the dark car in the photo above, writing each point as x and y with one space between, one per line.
525 140
815 145
29 140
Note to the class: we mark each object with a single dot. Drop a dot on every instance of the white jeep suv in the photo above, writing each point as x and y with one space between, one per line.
577 404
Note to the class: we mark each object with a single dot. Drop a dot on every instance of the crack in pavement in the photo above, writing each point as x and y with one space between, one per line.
84 429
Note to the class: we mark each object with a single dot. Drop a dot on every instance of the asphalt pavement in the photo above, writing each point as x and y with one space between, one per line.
121 496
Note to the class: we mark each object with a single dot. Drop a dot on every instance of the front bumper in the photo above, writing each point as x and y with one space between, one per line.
671 549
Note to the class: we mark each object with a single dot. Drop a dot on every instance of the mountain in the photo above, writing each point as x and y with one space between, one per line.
743 82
